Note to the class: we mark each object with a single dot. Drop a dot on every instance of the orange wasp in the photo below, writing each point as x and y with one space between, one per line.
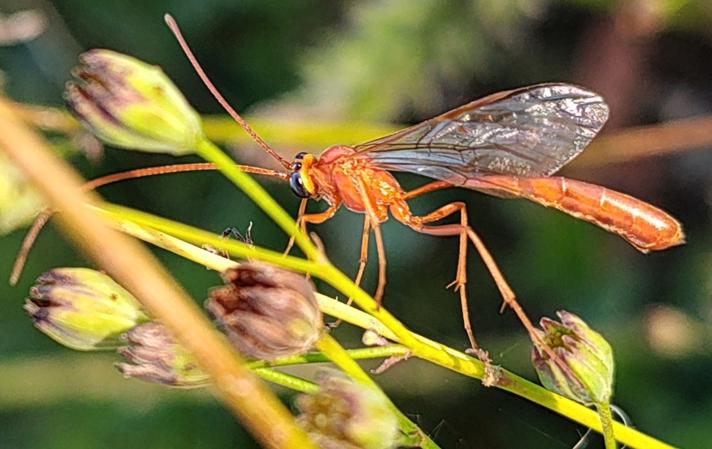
507 144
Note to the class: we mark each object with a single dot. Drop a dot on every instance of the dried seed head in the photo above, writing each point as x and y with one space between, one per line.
82 308
587 372
266 311
344 414
130 104
154 356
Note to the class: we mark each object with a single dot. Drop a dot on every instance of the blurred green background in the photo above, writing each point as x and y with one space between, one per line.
400 62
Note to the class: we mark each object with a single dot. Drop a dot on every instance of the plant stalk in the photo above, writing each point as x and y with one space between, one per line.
419 346
140 273
609 438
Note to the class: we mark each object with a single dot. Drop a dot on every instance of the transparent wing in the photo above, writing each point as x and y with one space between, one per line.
531 131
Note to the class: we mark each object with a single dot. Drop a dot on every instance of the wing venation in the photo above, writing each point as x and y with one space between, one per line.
532 131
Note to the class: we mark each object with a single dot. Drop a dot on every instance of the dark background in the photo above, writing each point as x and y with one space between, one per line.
397 61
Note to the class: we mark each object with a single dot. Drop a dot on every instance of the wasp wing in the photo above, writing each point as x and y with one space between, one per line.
531 131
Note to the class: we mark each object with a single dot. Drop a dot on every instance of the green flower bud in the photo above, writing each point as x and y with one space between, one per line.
266 311
584 371
130 104
82 308
344 414
154 356
19 201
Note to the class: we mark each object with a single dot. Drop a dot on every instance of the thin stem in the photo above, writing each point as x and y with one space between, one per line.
645 141
201 237
323 270
377 352
216 262
419 346
227 166
287 380
604 411
140 273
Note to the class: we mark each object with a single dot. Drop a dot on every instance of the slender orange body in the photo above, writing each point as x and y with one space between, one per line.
646 227
341 178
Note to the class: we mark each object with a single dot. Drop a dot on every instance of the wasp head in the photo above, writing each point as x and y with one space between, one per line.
300 180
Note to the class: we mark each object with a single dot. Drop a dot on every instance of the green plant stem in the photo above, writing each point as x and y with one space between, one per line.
212 153
323 270
127 219
331 349
604 411
287 380
218 263
377 352
264 368
341 358
422 347
141 274
276 377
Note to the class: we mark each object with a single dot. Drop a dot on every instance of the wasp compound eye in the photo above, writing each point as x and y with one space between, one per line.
299 156
297 186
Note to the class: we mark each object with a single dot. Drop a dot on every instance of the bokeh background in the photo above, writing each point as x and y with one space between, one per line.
330 63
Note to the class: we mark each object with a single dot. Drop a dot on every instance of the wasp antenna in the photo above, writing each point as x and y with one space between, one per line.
44 216
171 169
173 26
27 243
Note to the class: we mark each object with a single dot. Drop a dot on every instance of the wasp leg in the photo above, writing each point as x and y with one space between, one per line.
362 261
375 214
300 218
418 223
402 213
378 296
29 240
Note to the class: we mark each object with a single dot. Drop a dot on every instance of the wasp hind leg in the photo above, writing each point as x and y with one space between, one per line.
402 213
419 224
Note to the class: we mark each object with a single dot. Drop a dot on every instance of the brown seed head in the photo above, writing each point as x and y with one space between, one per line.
267 311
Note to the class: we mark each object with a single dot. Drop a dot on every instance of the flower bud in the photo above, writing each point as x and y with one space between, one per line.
344 414
154 356
130 104
584 371
266 311
19 201
82 308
